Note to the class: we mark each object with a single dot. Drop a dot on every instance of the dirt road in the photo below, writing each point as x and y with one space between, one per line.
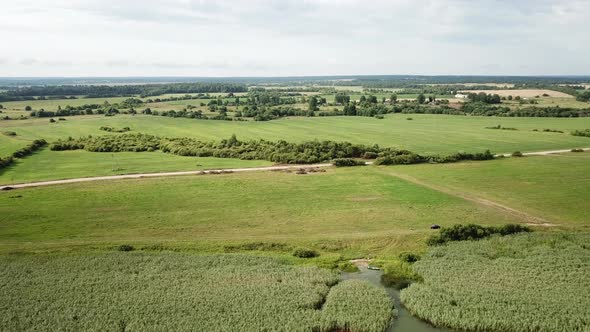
230 170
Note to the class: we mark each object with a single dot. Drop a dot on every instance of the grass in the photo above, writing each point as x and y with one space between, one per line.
551 187
426 134
52 165
355 212
529 283
178 292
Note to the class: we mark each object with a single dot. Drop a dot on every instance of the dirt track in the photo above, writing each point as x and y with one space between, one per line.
231 170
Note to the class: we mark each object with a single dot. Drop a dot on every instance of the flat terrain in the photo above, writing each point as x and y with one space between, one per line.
354 211
550 187
351 211
51 165
524 93
424 134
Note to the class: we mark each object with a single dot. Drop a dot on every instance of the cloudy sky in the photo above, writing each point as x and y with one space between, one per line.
293 37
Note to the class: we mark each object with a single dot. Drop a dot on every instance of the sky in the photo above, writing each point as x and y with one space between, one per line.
293 37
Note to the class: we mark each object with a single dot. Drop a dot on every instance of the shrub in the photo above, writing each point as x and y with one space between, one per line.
9 133
125 247
409 257
51 120
577 150
347 162
473 232
370 155
409 119
305 253
399 275
585 133
517 154
29 149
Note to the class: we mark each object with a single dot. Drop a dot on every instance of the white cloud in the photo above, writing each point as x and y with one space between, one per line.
292 37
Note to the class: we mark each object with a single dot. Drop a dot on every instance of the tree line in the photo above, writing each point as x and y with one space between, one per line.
22 152
95 91
276 151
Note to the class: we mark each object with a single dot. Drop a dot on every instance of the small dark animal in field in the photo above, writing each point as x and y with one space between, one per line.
435 226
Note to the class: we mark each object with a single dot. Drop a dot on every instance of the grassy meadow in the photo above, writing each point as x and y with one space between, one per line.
357 212
423 134
51 165
554 187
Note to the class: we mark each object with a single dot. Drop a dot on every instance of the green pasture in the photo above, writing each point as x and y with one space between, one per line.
357 212
424 134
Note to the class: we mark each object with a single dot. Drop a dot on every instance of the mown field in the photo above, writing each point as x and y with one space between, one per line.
526 283
551 187
178 292
423 134
355 212
51 165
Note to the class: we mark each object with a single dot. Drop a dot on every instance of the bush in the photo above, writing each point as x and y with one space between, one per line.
347 162
125 247
409 257
585 133
399 275
9 133
51 120
370 155
29 149
473 232
305 253
577 150
409 119
517 154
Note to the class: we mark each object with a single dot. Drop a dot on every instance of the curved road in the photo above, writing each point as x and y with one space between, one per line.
216 171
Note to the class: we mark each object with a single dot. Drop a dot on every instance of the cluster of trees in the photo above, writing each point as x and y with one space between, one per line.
584 96
404 157
483 97
279 151
585 132
23 152
474 232
91 91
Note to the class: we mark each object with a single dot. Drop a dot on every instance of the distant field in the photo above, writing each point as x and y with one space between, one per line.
525 93
424 134
553 187
355 212
50 165
550 102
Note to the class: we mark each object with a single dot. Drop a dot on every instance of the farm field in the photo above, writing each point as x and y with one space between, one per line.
524 93
422 134
354 212
51 165
550 187
532 282
158 291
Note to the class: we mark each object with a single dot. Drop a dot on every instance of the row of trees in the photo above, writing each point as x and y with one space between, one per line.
29 93
23 152
279 151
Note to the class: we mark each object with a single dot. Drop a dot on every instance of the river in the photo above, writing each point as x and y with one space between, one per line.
404 321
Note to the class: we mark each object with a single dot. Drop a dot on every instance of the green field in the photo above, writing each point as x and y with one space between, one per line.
356 211
51 165
530 283
551 187
177 292
424 134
